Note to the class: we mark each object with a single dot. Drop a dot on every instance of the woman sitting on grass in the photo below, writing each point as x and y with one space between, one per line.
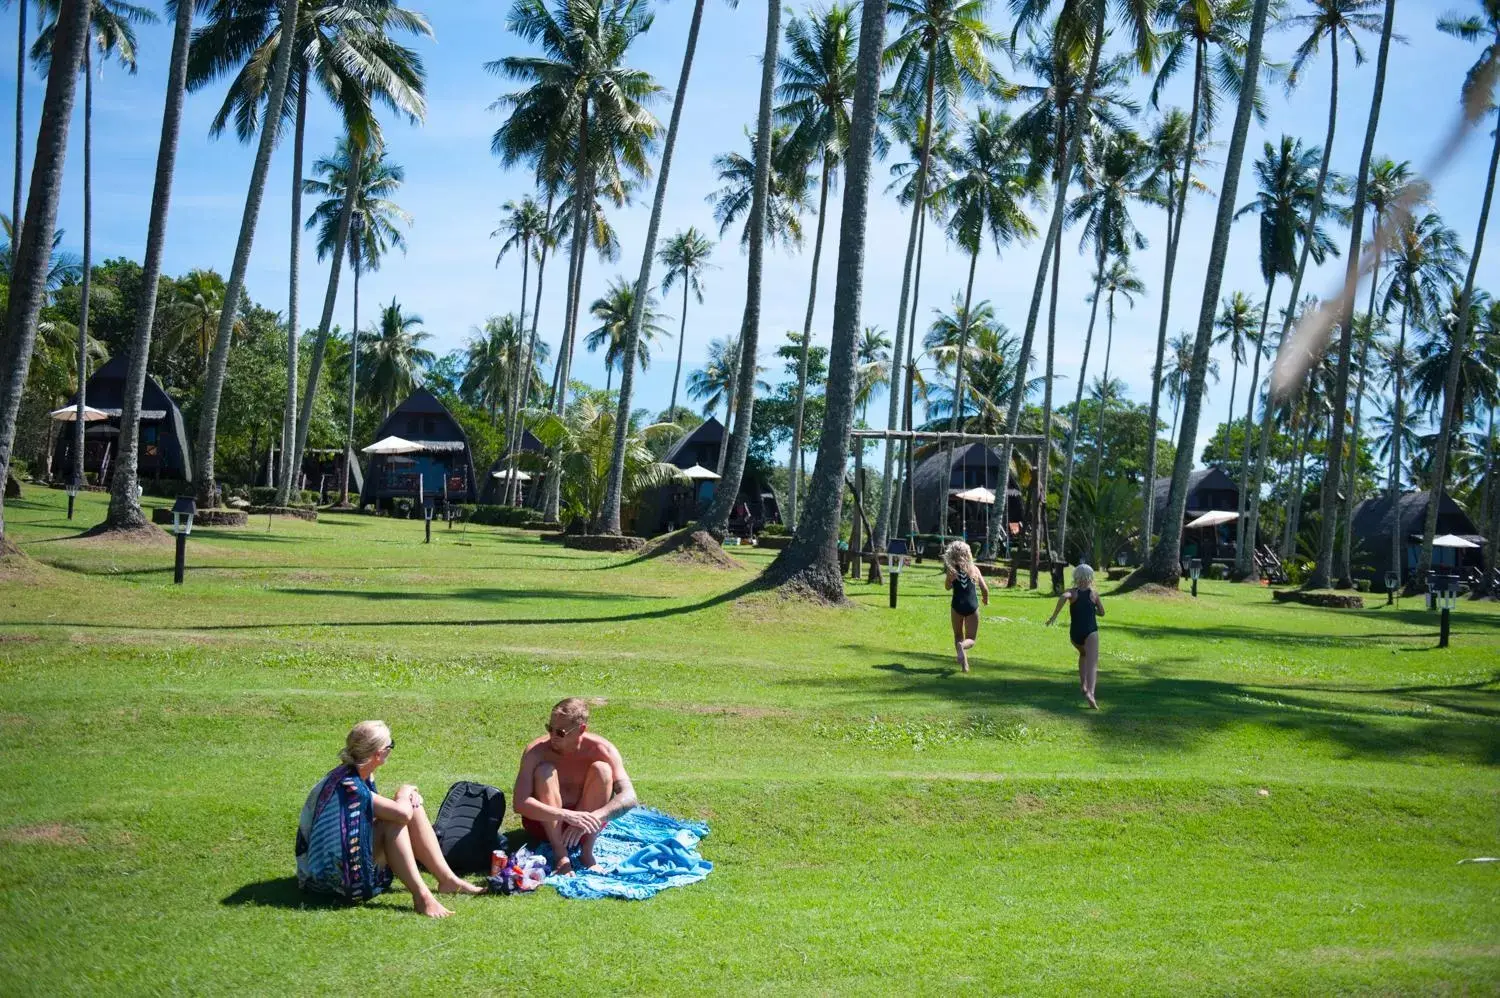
1084 607
967 583
350 839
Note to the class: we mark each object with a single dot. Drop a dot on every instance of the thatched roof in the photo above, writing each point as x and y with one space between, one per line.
1373 523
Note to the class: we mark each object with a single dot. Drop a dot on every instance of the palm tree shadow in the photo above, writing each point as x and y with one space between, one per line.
283 892
906 670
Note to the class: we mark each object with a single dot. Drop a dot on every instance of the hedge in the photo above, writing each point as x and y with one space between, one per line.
265 495
501 516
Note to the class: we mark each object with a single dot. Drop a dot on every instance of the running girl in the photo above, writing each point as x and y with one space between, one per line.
967 583
1083 628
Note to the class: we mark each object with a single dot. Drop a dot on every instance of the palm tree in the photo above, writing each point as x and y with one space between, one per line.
789 191
810 562
1287 188
492 364
1116 172
817 87
124 503
1475 384
1179 370
1119 280
685 257
614 310
15 204
1236 318
1483 27
112 32
872 358
522 226
356 211
713 383
33 256
396 356
193 315
583 117
941 51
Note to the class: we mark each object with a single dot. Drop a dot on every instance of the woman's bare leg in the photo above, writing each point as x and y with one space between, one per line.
1089 667
396 843
958 640
424 845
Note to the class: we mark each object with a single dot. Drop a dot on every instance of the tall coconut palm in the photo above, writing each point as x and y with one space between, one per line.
941 52
810 562
112 33
1335 19
522 226
614 309
1163 565
872 359
737 447
1436 353
33 254
789 190
1286 180
713 383
685 257
1484 28
1235 329
817 88
124 503
1116 173
21 37
1121 280
615 487
396 356
491 363
583 114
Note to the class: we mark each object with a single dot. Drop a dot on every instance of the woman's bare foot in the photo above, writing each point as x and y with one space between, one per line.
459 887
429 906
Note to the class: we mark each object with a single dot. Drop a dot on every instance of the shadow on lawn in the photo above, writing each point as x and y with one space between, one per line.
480 595
1168 712
282 892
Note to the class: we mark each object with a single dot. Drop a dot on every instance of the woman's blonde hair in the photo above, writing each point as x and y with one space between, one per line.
1083 577
365 739
958 558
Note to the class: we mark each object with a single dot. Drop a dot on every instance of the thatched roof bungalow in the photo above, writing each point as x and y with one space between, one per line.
445 463
163 452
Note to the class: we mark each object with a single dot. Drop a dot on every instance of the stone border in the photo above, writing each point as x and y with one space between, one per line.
774 542
1336 601
204 517
603 542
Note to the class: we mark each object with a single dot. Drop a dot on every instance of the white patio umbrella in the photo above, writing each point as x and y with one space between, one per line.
392 445
69 414
698 473
508 473
978 494
1452 541
1213 518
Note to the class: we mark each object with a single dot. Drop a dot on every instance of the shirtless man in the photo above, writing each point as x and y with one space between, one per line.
572 783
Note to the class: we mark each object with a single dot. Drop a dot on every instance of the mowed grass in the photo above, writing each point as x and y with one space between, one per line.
1272 799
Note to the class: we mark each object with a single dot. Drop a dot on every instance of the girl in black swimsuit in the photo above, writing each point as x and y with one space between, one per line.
967 583
1084 607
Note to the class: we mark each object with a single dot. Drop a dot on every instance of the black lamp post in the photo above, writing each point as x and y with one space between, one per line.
1195 569
427 519
895 560
72 494
183 511
1442 595
1392 583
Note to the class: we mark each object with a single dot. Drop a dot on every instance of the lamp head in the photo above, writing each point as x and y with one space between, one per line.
1392 581
1195 567
183 511
895 556
73 487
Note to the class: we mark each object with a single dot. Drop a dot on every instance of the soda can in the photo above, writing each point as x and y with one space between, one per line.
497 862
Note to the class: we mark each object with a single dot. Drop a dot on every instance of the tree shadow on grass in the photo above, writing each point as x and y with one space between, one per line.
1175 713
480 595
283 892
1234 632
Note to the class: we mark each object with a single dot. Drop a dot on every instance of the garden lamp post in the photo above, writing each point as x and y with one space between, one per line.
1442 595
72 494
1392 583
183 511
1195 569
895 560
427 519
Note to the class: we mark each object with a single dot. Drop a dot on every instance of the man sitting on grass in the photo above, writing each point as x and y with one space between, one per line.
572 783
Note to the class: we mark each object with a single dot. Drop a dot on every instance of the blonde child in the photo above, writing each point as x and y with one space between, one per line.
1084 606
968 585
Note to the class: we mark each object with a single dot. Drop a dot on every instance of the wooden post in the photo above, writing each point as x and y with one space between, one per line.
856 544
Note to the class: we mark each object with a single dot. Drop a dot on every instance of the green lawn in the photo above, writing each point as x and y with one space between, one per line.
1273 798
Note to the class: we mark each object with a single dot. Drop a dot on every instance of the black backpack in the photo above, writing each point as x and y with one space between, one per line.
468 826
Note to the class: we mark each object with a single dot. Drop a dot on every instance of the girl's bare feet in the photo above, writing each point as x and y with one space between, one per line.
429 906
1090 698
963 659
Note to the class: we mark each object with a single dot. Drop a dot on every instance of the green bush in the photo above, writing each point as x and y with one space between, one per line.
774 530
501 516
265 495
166 488
1216 571
1361 585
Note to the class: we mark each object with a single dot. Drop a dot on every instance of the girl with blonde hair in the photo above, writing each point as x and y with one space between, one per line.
967 582
351 840
1084 609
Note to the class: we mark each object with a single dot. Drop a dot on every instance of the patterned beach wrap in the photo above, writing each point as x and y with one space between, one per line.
336 839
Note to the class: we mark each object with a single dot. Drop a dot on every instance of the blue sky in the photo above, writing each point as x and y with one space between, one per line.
454 188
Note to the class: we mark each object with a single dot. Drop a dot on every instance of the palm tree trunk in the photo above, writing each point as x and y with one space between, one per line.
1295 498
1054 233
1040 536
1451 416
522 380
1397 562
15 199
1343 566
1164 565
34 250
1109 346
1083 367
289 423
582 191
1176 411
956 418
1244 540
330 298
1234 378
614 486
1148 486
811 561
1492 503
513 486
124 505
353 381
909 514
729 400
717 518
213 388
794 471
918 209
681 339
88 264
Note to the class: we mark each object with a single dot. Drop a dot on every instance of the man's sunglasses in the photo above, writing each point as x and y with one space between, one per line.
560 732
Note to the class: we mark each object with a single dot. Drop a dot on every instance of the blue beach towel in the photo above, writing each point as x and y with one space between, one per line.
642 851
